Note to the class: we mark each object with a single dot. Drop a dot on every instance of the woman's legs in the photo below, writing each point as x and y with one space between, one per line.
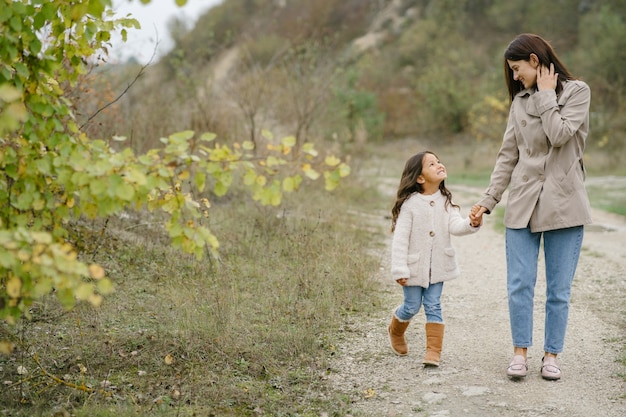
562 251
522 252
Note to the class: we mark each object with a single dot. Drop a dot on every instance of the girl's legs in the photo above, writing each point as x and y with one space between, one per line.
522 252
412 302
401 318
434 324
562 251
432 303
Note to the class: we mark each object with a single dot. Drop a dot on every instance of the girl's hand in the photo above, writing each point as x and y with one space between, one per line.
402 281
546 78
476 215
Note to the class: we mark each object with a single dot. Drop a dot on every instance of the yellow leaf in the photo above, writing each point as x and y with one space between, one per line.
184 175
169 359
369 393
95 300
96 271
267 134
344 170
332 160
6 347
289 141
14 287
310 172
84 291
288 184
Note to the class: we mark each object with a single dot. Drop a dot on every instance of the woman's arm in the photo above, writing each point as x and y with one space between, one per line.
561 123
506 160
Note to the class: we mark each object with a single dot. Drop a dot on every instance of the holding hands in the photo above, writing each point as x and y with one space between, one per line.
476 215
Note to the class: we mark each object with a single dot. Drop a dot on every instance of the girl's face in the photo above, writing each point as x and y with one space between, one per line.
524 71
433 171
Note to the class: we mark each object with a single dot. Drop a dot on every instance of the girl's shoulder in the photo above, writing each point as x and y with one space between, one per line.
417 198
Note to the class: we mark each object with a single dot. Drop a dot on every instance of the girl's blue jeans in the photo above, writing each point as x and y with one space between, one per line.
415 296
561 252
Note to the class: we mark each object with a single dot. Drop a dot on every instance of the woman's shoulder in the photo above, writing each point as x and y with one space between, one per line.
575 85
574 88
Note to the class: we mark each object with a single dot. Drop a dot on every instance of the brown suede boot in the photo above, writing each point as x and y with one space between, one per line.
396 336
434 341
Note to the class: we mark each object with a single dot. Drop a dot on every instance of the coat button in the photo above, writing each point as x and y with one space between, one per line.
525 178
432 233
432 204
523 123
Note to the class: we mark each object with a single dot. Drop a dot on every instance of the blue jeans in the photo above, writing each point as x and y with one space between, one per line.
561 253
415 296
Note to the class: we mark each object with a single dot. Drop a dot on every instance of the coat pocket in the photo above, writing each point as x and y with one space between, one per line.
413 262
449 259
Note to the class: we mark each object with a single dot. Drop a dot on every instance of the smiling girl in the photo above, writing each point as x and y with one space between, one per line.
422 256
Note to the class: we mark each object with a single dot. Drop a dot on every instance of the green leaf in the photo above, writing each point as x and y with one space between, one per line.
289 141
208 137
200 181
125 192
104 286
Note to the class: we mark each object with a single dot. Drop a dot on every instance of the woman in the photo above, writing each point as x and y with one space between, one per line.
541 163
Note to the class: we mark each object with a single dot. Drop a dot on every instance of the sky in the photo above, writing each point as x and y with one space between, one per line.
153 18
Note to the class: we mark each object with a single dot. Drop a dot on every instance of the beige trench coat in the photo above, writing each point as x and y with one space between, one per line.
541 160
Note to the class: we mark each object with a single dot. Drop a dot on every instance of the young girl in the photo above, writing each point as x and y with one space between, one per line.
422 256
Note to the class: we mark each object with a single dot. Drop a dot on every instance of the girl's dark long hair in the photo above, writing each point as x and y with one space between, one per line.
408 185
520 49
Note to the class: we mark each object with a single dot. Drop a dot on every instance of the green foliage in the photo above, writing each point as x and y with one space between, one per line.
253 330
487 118
358 107
53 174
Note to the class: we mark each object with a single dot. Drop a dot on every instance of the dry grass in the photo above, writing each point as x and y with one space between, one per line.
244 334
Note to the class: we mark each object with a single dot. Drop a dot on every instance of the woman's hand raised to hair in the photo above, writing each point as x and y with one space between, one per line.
546 78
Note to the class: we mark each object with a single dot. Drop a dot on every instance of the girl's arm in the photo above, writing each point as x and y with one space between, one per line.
459 226
400 243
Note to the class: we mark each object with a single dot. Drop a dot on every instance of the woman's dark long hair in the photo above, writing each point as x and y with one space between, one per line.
409 185
520 49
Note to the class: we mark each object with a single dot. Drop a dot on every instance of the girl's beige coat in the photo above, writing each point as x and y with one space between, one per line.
421 249
541 160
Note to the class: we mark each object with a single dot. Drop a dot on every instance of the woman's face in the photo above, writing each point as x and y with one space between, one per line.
524 71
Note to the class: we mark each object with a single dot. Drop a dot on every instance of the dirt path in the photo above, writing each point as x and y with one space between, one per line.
471 380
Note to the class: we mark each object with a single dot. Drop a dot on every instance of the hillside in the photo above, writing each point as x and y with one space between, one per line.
343 72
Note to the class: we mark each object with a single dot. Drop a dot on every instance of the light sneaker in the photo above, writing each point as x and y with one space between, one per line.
518 368
550 368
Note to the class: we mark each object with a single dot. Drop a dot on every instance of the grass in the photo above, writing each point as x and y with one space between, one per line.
244 334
